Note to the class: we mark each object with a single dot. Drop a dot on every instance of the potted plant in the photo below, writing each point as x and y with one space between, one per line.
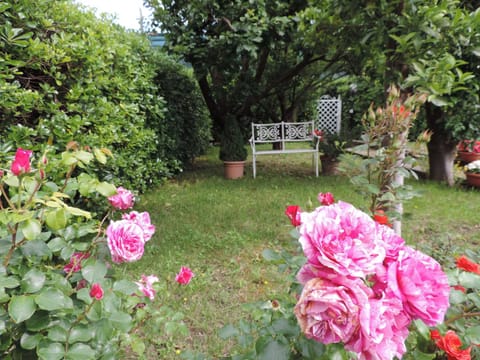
468 150
232 150
331 146
472 173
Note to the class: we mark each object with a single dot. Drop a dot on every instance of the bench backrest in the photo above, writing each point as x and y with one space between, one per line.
282 132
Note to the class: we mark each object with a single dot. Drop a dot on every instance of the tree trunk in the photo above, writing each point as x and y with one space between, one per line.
441 148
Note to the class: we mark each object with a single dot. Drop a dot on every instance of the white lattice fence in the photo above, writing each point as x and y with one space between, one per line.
329 114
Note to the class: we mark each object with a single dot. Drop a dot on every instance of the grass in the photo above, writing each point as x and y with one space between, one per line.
219 229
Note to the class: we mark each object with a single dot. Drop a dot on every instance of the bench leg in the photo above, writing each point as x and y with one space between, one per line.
315 159
254 166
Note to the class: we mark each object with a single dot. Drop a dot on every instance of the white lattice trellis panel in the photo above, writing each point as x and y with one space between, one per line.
329 114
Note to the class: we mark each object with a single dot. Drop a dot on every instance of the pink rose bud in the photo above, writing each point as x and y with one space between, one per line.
96 292
21 162
184 276
122 200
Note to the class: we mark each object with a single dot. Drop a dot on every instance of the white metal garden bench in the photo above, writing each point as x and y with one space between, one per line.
283 133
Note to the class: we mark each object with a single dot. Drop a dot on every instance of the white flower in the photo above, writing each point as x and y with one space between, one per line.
473 166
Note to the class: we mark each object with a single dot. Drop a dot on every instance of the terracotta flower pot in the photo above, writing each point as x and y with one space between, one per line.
473 179
233 169
468 156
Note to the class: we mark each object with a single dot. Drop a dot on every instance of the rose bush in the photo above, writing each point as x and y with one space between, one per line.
60 294
357 278
340 306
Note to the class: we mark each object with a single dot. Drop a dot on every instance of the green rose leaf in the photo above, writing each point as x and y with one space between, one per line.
50 351
36 248
4 297
106 189
228 331
95 313
94 272
104 331
33 281
80 333
100 156
84 156
30 228
57 334
80 352
78 212
39 321
5 217
121 321
21 308
57 244
125 287
86 184
11 180
469 280
271 255
268 348
56 219
53 299
473 333
9 282
30 341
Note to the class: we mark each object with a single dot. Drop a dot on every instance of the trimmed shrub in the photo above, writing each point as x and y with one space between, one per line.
186 127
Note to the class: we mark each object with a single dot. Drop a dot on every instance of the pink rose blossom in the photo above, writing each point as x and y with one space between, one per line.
332 311
21 162
383 333
145 285
142 220
96 292
341 238
393 243
184 276
326 198
125 241
75 263
419 282
122 200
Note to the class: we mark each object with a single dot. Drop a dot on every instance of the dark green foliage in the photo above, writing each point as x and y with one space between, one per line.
232 145
185 130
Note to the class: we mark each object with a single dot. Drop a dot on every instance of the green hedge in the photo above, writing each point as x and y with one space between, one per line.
68 76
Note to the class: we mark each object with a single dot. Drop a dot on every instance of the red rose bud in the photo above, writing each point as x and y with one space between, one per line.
460 288
96 292
293 213
464 263
381 218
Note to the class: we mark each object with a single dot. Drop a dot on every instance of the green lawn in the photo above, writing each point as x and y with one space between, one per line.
219 229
